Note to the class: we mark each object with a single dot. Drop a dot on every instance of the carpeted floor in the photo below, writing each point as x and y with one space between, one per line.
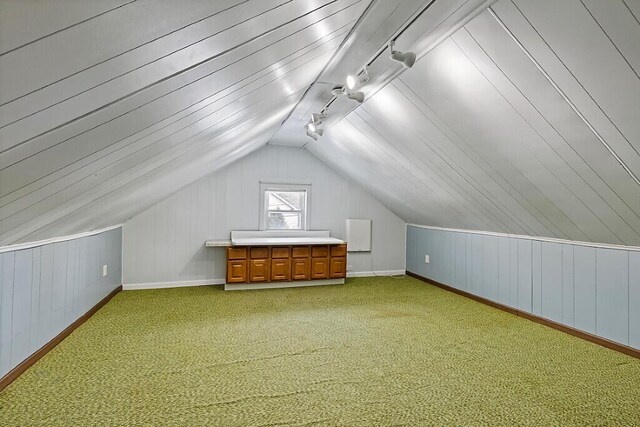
377 351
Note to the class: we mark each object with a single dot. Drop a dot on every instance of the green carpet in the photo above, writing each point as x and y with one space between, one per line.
377 351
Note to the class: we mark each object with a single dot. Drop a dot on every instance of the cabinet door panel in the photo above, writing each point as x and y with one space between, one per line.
319 268
319 251
236 253
259 270
237 271
259 253
280 252
280 269
338 267
300 269
300 251
339 250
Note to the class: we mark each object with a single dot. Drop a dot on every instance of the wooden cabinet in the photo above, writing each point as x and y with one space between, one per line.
259 270
280 269
319 268
300 269
255 264
338 267
237 271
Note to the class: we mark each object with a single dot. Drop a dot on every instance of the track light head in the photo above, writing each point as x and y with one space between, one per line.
356 96
311 127
407 59
354 82
318 117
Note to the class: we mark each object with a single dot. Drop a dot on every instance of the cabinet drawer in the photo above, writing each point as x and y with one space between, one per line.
282 252
300 251
237 271
339 250
236 253
319 268
338 267
318 251
300 269
259 252
280 269
258 270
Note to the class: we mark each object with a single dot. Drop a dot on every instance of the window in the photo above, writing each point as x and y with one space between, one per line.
285 207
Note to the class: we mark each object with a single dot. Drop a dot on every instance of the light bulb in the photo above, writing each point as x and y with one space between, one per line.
351 82
312 127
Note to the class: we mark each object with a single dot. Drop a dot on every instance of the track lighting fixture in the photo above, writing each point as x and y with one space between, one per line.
318 117
356 96
342 91
356 82
407 59
312 135
313 131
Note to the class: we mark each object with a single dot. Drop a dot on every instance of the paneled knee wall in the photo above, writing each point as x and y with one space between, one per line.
594 289
45 288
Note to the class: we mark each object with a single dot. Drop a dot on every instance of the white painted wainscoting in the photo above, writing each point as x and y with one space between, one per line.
590 287
45 287
164 246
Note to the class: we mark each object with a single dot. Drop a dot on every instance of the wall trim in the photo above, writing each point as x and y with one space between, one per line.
536 238
210 282
29 245
29 361
375 273
630 351
176 284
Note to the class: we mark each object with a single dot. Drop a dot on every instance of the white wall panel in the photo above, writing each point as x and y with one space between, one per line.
43 289
592 289
166 243
584 267
612 294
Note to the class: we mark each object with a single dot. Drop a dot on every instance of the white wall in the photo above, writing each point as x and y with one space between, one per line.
166 242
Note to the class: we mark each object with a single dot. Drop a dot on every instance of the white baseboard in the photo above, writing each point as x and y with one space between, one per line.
178 284
375 273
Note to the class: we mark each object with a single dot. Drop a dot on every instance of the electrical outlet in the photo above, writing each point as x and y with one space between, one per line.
426 259
104 270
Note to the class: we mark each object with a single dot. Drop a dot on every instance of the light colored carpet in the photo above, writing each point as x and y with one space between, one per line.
376 351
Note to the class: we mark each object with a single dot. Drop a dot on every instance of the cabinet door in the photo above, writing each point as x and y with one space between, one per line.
259 270
237 271
300 269
338 267
280 269
319 268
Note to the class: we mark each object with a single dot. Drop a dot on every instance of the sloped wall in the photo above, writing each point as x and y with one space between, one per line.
165 244
524 121
594 289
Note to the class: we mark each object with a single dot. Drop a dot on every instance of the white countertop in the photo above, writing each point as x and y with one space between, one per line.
218 243
285 241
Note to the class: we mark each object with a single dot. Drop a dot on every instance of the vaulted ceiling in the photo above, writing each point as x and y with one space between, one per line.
519 116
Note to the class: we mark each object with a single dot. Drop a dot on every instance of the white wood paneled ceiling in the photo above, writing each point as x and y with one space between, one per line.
520 116
107 107
526 120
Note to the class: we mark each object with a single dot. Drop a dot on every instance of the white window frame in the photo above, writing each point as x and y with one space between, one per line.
272 186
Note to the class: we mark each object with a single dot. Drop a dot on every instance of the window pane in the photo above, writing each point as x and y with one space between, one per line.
285 221
286 200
